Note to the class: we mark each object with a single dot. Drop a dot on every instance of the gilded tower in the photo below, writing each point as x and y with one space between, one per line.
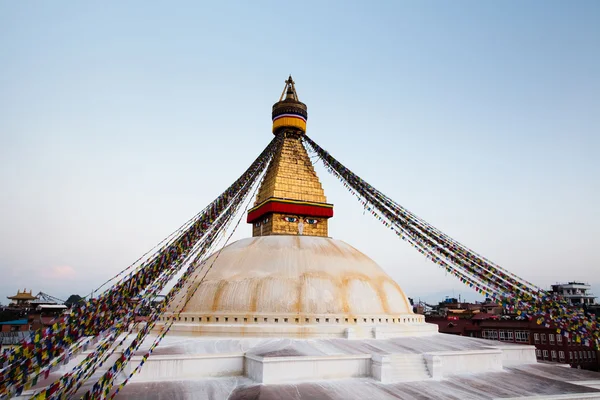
291 200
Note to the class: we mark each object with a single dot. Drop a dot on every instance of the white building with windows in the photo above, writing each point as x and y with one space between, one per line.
577 293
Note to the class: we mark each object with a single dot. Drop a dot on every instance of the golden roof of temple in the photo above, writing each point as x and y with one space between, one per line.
24 295
289 112
291 176
291 200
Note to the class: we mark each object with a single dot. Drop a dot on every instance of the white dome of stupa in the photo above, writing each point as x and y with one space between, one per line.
291 283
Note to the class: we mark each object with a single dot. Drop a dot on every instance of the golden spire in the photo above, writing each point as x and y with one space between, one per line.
291 200
289 112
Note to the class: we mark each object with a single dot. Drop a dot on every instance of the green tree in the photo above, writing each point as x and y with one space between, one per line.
74 298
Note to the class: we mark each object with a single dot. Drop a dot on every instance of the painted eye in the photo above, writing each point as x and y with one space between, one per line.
290 219
311 221
266 220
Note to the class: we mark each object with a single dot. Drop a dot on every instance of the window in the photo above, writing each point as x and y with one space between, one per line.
551 338
255 319
593 354
576 357
510 335
285 320
545 354
502 335
569 340
536 338
553 355
558 339
538 353
543 338
490 334
561 356
522 336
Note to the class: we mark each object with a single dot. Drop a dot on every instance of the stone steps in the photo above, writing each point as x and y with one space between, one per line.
407 368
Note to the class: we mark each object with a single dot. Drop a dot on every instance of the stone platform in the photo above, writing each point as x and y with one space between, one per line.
437 366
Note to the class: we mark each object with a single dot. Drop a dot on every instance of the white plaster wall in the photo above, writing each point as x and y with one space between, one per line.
253 368
516 355
321 330
290 369
459 362
189 366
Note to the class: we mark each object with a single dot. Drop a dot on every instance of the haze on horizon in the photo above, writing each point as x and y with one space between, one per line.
118 122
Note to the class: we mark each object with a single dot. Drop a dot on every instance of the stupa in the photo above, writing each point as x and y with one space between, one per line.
291 279
291 313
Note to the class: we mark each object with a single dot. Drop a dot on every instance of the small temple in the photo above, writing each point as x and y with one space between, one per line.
22 299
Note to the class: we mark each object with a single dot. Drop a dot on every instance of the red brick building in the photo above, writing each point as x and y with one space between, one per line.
550 346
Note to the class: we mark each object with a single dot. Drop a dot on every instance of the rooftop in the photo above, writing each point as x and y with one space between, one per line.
24 295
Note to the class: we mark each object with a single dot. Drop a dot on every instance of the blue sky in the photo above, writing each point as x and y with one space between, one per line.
118 122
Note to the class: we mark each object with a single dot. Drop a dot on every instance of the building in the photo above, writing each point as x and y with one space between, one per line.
21 299
576 293
25 314
16 325
550 346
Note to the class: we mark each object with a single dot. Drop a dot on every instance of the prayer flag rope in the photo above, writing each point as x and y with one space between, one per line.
114 311
516 294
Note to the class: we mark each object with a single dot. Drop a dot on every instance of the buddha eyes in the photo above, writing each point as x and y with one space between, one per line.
263 222
310 221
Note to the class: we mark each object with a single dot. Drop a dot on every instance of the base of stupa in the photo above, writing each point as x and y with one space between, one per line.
435 366
400 367
324 330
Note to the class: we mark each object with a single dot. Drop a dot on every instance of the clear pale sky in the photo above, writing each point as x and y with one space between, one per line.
118 122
